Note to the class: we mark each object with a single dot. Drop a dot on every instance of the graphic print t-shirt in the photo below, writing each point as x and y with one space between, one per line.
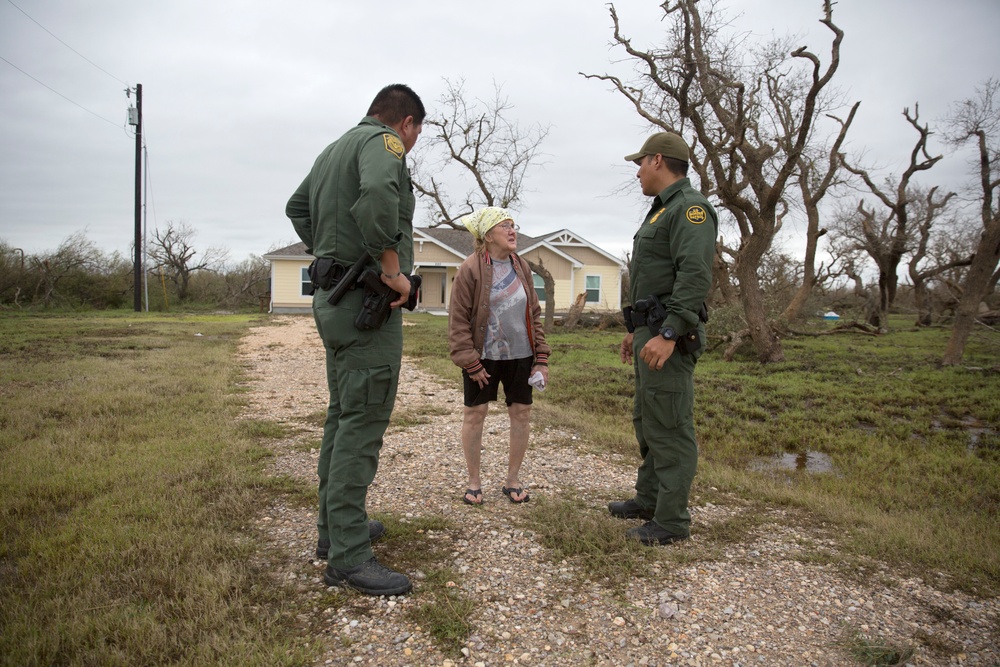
506 331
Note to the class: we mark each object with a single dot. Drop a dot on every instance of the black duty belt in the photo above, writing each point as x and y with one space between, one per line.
326 273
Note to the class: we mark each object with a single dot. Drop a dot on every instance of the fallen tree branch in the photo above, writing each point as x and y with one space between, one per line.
846 328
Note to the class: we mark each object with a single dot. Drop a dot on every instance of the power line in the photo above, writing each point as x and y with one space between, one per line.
67 45
58 93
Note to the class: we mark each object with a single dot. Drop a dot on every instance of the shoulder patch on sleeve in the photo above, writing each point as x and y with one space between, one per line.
696 214
393 145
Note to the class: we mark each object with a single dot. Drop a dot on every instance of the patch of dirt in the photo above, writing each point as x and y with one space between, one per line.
766 601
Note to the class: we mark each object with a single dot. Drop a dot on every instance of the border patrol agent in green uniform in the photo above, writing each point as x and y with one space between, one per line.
357 201
670 277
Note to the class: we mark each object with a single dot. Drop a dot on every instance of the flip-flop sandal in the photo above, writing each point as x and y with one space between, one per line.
475 493
515 491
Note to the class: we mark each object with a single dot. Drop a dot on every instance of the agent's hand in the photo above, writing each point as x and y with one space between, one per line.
544 370
625 353
657 351
482 378
401 284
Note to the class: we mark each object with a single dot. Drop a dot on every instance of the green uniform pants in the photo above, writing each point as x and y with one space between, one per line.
362 372
663 416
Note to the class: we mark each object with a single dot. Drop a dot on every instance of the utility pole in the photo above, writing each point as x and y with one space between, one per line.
145 230
136 120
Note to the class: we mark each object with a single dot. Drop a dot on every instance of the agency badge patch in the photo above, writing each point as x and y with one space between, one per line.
394 145
696 214
657 216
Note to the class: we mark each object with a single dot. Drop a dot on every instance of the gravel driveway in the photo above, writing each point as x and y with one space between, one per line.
757 603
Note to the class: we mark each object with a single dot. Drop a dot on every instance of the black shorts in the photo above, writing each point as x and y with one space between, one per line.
513 373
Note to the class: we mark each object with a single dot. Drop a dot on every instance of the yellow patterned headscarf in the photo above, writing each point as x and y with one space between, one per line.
485 219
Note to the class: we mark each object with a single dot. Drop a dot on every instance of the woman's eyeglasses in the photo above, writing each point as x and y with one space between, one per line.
507 226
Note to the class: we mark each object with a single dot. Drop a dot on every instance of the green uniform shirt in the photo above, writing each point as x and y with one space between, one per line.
357 198
673 252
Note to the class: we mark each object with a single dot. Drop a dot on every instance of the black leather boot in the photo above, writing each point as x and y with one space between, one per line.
371 578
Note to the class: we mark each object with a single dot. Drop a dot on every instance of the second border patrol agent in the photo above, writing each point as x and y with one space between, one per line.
357 201
670 277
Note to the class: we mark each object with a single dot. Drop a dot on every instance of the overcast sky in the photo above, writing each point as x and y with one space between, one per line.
240 97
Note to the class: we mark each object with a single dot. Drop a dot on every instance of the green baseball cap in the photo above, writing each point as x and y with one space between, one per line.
666 144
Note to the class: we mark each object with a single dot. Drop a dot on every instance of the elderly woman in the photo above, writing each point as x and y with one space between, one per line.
495 336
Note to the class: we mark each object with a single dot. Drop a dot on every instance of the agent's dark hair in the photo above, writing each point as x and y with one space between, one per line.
675 166
395 102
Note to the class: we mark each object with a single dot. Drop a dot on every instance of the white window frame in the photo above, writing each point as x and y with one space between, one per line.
305 282
539 289
587 289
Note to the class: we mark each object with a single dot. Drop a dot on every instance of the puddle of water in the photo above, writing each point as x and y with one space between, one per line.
975 429
809 462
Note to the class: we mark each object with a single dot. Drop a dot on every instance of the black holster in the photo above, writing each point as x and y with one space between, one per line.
627 314
377 297
689 343
324 272
649 311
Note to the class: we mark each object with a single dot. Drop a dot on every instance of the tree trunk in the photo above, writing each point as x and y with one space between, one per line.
721 280
977 282
575 311
879 315
765 342
922 303
801 296
550 291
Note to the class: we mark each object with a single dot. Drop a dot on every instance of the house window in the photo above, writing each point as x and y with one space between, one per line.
593 284
306 283
539 283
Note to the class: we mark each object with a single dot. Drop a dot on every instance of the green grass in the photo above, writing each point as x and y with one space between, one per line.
915 447
593 541
874 653
424 544
405 417
129 487
126 495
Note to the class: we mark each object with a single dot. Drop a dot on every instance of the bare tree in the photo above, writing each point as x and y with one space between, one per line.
549 286
173 253
951 247
490 153
247 281
926 261
722 270
886 234
751 114
816 175
76 253
977 120
848 260
12 273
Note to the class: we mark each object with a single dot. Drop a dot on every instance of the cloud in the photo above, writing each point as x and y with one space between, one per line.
238 100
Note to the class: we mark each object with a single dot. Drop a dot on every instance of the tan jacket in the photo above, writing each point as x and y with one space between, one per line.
469 311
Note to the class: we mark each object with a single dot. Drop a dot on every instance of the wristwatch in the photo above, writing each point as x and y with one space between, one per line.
668 333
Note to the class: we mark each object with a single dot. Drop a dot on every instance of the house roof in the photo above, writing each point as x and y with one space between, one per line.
456 240
459 241
566 240
294 251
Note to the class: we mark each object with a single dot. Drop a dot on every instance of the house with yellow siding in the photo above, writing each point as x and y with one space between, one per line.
577 267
